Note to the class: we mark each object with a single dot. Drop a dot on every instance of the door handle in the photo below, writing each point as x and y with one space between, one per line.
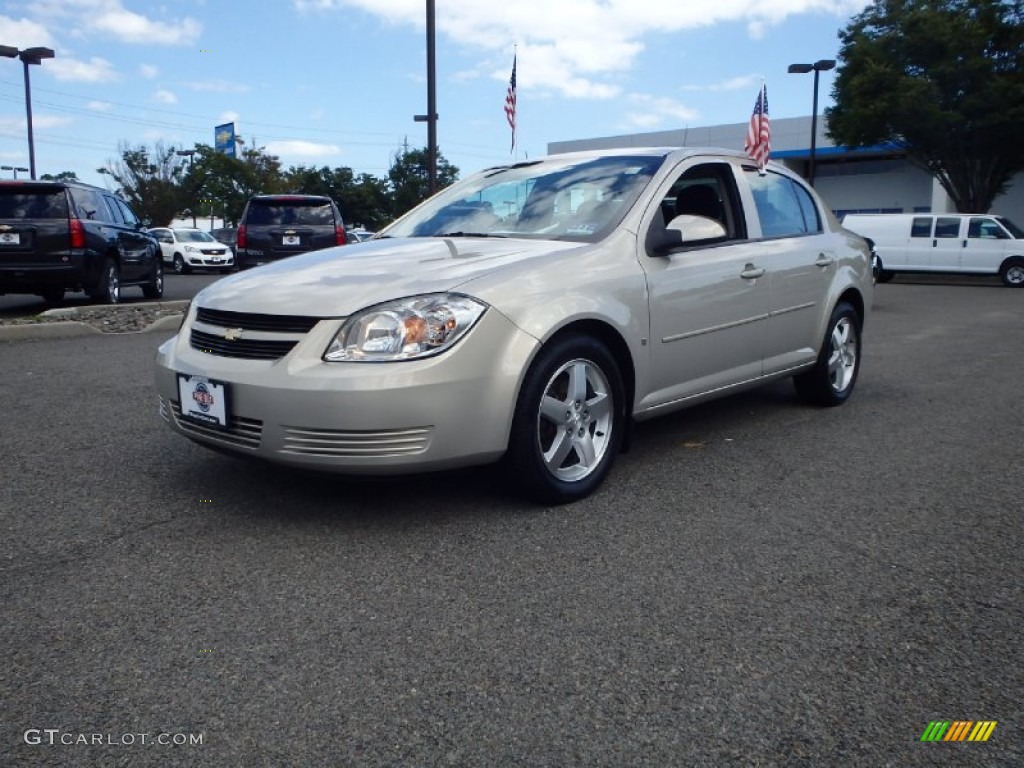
824 261
750 272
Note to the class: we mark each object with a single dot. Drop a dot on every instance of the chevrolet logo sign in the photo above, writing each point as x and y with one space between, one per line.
233 334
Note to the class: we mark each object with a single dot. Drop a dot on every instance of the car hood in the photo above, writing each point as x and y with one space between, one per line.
336 282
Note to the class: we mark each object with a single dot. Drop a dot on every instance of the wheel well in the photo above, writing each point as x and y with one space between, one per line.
1010 260
853 297
611 338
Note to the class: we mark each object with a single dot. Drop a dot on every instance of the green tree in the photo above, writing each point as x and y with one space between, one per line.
410 178
62 176
943 79
363 201
150 180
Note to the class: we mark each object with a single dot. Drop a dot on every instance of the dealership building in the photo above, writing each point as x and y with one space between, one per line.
864 180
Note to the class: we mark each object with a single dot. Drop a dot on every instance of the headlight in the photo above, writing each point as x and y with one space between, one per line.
405 330
192 249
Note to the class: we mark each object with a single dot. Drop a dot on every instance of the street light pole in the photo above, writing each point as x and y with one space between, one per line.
817 67
431 117
14 169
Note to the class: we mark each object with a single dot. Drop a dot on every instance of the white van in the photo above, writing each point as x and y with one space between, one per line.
965 243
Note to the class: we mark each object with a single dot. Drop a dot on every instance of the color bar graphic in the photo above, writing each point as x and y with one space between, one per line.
958 730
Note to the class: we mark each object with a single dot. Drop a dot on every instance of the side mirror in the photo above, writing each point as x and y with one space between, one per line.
684 230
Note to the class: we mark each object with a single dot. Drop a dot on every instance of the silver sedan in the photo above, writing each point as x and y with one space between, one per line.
527 314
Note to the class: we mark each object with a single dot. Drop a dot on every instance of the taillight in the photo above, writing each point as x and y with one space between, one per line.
77 233
240 237
339 235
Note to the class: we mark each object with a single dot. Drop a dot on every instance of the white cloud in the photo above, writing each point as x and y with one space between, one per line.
24 33
302 149
217 86
16 125
163 96
99 106
111 19
95 70
228 117
654 111
578 48
148 71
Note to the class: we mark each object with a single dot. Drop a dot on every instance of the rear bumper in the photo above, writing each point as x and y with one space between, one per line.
26 278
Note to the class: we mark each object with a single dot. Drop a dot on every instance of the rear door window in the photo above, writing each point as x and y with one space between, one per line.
785 208
42 204
89 204
947 226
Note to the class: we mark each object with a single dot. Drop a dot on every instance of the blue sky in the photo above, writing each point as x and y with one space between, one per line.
337 82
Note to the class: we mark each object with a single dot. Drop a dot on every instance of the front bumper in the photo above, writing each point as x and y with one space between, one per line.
360 418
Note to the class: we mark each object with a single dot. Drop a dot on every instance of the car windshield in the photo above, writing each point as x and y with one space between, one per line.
567 198
193 236
289 212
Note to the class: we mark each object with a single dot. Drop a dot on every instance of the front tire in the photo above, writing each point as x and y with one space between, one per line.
830 382
1012 273
569 421
179 266
108 285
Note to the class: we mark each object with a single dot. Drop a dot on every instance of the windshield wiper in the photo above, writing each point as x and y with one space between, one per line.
469 234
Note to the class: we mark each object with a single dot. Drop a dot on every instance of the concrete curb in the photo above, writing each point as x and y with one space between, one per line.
70 328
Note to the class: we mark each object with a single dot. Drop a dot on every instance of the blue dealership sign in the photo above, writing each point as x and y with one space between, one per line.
224 139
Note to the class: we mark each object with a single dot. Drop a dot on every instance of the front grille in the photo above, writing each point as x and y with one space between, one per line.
240 432
254 322
249 349
332 443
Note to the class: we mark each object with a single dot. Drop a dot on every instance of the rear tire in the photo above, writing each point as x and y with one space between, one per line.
1012 273
154 289
108 286
569 421
830 382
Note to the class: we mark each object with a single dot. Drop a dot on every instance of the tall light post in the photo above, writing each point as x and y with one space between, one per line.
189 153
431 117
28 56
819 66
14 169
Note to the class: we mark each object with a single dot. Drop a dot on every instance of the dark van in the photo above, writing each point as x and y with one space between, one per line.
276 226
58 236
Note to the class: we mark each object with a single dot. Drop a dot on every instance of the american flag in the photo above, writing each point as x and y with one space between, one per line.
759 135
510 102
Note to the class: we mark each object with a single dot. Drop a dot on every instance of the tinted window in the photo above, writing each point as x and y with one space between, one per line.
288 213
89 203
113 211
127 214
193 236
48 204
779 205
946 226
922 227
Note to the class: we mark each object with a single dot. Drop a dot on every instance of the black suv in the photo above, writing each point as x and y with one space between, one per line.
276 226
58 236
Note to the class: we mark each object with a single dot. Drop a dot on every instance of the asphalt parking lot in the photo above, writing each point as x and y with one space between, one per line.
759 583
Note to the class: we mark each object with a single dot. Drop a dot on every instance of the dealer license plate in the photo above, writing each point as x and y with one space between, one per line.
290 240
10 238
203 400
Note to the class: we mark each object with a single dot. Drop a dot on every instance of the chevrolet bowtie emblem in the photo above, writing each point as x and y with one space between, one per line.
233 334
